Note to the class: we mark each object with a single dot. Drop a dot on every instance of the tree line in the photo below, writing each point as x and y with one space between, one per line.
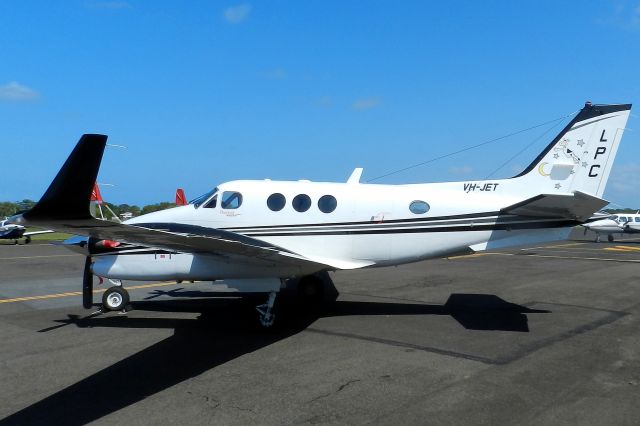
9 208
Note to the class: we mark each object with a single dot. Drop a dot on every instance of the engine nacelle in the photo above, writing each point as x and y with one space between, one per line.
162 266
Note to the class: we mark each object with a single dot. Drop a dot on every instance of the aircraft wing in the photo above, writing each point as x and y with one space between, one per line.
194 239
576 206
28 234
65 208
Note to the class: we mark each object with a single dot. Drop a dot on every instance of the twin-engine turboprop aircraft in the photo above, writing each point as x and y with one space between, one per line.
621 223
262 232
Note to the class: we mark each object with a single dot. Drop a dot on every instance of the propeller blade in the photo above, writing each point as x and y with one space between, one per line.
87 284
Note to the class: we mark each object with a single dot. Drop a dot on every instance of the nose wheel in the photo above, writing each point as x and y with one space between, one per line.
115 299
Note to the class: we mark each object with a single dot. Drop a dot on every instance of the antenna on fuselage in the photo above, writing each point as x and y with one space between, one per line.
355 176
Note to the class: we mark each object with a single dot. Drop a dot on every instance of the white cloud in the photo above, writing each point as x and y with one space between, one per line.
462 170
16 92
276 74
324 102
367 103
237 14
625 15
625 179
111 5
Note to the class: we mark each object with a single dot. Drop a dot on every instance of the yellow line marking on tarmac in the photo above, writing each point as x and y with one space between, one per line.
627 248
479 255
462 256
555 246
603 259
79 293
38 257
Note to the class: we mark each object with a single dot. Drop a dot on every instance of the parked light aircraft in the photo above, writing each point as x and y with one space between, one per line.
621 223
261 232
11 231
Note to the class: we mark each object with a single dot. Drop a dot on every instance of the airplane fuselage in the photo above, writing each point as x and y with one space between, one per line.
361 225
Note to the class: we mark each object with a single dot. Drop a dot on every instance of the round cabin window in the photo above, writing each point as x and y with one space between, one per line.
276 202
301 203
418 207
327 203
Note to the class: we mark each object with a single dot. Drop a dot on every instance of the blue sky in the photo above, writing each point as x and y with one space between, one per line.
203 92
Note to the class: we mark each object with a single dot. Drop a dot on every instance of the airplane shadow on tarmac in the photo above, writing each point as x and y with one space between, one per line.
223 331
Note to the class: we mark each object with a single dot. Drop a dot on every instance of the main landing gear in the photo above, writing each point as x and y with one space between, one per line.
115 298
265 316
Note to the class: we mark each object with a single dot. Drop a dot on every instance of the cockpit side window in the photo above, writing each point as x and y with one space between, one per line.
212 203
231 200
204 197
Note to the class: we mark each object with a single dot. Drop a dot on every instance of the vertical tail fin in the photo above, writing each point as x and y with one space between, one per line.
69 193
581 156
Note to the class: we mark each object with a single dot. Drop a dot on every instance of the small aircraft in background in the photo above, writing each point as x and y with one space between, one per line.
9 231
620 223
260 233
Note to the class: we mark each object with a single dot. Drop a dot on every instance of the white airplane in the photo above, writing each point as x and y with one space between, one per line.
11 231
258 233
621 223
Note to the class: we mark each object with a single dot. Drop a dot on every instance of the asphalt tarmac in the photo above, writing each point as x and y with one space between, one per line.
537 335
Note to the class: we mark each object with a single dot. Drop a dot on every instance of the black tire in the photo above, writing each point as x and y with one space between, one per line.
27 240
610 238
310 290
115 299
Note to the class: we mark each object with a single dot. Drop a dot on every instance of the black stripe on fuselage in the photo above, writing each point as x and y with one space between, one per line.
508 226
367 222
483 222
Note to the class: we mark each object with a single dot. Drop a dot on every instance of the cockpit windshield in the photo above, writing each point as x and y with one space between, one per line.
204 197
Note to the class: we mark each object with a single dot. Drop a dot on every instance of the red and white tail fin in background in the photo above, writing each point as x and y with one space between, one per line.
97 206
181 199
95 194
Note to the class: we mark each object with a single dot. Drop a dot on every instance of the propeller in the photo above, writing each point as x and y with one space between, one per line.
87 284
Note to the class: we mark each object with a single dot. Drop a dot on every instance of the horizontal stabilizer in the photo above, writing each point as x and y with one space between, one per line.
576 206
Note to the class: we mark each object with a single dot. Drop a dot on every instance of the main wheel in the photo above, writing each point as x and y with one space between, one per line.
27 240
610 238
115 299
310 290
